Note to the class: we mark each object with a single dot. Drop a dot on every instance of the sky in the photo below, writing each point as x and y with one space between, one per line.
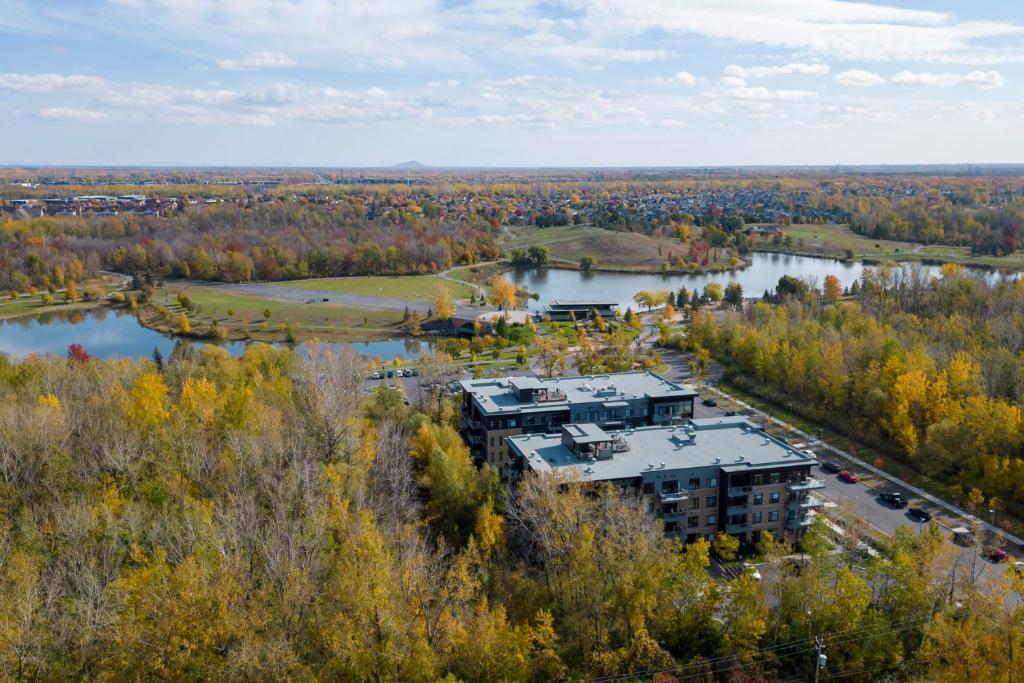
510 82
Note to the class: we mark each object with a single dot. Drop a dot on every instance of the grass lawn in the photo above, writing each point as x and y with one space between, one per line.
327 321
835 240
617 250
410 287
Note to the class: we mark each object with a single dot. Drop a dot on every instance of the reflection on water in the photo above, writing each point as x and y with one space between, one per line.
762 275
107 333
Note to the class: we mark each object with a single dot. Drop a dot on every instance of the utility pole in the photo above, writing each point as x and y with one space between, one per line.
820 659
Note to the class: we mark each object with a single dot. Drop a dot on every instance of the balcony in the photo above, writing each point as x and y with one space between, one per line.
808 484
808 503
738 509
673 496
733 529
740 491
677 516
800 522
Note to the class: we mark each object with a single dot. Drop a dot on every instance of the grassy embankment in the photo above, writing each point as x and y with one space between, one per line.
242 316
32 304
620 251
838 241
407 287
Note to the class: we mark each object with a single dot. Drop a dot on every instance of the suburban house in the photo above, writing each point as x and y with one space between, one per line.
708 476
495 408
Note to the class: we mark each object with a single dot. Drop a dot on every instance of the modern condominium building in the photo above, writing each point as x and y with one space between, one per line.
707 476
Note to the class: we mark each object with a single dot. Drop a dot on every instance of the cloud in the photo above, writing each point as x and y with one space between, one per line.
257 60
983 79
67 114
850 30
685 77
858 78
45 83
764 94
798 69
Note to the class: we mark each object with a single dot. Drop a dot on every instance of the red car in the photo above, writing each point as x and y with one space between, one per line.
848 476
994 553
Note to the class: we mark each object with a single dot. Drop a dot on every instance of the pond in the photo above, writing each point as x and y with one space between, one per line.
107 333
763 274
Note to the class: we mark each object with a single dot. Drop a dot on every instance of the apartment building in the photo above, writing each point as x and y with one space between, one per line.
708 476
493 409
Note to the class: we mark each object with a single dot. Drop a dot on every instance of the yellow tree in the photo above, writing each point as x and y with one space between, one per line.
833 288
183 324
503 292
71 293
443 306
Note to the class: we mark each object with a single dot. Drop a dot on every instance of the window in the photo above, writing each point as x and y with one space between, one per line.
694 484
709 537
710 520
669 486
629 412
773 497
757 518
670 527
648 487
694 503
693 522
712 482
774 478
711 501
511 424
758 479
758 498
492 442
773 516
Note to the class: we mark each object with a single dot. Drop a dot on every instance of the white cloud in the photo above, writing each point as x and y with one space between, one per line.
764 94
44 83
851 30
982 79
67 114
796 69
858 78
686 78
257 60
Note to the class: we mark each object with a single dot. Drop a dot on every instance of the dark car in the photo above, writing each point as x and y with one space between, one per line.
830 466
920 514
710 402
390 373
894 498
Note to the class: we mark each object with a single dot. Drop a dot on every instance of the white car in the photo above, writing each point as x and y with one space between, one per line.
752 570
1018 567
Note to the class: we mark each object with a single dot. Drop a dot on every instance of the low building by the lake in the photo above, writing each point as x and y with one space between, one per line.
580 310
498 407
702 478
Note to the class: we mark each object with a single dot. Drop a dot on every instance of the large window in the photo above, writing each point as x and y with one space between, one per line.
694 484
773 497
711 501
773 516
693 522
758 498
711 519
757 518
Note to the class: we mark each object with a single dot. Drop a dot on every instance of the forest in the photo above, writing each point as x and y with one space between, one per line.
928 368
209 517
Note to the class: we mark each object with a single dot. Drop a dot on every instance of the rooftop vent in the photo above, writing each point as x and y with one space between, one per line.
661 465
589 470
717 459
740 459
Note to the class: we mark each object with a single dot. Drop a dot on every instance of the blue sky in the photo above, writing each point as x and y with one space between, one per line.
511 82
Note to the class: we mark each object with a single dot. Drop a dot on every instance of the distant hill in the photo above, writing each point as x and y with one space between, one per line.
410 166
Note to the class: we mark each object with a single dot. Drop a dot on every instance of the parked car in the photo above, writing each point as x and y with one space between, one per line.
414 372
375 375
1018 568
963 536
752 570
390 374
994 553
710 402
848 476
894 498
920 514
831 466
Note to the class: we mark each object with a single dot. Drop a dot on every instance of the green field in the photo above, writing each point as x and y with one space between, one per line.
247 313
409 287
613 250
835 240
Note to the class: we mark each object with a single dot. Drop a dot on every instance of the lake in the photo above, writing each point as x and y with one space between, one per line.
107 333
763 274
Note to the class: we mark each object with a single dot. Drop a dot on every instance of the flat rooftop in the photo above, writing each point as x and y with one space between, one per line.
494 397
733 444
